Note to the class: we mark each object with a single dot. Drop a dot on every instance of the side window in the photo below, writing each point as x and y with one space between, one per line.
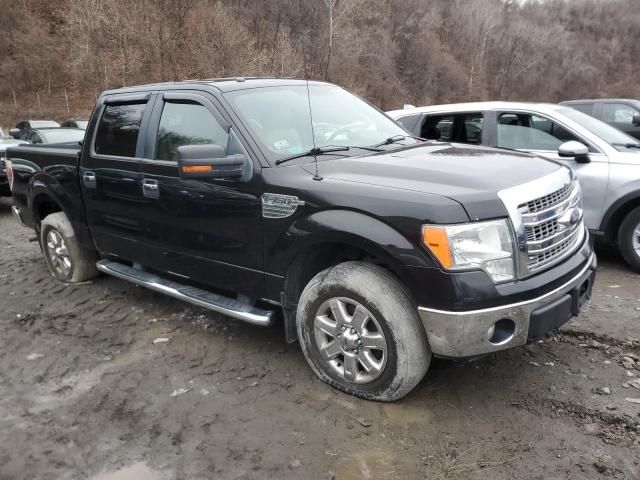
35 138
582 107
438 127
461 128
409 122
118 130
618 113
187 124
525 131
472 130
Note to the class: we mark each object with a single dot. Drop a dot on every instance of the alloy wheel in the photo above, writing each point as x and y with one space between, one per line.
58 253
350 340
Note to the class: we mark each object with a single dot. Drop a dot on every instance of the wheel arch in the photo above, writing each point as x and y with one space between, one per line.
615 214
337 236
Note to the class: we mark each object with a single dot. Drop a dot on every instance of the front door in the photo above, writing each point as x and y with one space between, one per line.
542 136
208 230
110 176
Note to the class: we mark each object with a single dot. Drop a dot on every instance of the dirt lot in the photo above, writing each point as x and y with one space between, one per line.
85 393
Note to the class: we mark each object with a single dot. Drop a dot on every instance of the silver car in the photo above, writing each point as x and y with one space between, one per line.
606 160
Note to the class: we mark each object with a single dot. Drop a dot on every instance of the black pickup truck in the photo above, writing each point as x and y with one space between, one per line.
253 197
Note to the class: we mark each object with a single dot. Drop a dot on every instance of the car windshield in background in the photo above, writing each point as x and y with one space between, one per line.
62 135
43 124
82 124
10 141
603 130
280 118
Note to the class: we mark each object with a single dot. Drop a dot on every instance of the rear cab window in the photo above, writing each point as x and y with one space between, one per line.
457 128
118 129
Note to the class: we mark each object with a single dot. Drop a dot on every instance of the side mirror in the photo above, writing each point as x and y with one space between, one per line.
210 161
576 150
15 133
636 119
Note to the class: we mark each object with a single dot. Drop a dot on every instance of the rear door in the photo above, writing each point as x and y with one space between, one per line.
110 175
207 229
541 135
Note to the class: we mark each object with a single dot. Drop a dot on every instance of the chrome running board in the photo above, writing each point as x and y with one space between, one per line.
212 301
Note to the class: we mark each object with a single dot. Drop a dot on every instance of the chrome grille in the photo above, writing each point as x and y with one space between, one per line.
552 225
550 200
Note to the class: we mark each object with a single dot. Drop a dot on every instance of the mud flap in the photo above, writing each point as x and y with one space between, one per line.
289 311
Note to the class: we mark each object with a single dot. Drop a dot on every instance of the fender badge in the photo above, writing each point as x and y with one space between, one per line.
279 206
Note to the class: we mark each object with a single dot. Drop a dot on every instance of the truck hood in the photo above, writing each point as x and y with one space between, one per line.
470 175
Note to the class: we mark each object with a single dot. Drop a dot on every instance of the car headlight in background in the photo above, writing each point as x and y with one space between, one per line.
481 245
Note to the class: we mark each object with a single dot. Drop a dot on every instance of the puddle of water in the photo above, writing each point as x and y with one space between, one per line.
137 471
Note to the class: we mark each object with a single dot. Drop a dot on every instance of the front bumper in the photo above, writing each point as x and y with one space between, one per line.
478 332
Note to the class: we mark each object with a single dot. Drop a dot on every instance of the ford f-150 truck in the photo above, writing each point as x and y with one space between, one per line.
254 197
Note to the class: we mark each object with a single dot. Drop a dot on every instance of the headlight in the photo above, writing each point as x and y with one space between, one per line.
482 245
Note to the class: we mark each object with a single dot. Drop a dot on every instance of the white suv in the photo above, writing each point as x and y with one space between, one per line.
606 160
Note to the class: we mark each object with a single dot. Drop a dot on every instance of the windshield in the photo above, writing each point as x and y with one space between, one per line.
82 124
280 119
605 131
62 136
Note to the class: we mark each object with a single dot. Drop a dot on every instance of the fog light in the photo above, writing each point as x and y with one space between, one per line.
501 332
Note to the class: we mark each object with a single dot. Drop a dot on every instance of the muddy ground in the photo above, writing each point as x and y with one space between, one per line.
85 393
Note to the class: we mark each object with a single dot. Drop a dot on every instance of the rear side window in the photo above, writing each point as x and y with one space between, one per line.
409 122
461 128
582 107
187 124
118 130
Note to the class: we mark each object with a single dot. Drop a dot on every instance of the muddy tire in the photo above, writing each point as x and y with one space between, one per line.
629 239
361 333
66 259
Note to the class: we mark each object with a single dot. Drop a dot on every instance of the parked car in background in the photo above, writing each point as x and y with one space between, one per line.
253 196
606 160
53 135
5 191
76 124
622 113
19 130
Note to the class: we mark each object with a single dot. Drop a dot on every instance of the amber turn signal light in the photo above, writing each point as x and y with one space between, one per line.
197 168
437 241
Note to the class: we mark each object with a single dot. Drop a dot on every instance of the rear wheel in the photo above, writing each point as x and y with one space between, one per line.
66 259
629 239
361 333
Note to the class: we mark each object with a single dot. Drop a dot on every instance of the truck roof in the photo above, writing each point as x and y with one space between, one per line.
221 84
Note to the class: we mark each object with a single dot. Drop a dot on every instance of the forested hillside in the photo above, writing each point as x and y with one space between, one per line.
57 55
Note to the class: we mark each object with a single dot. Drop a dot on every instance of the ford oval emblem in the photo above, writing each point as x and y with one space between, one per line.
571 217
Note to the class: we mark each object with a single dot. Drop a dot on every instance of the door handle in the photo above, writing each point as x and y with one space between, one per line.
89 179
150 188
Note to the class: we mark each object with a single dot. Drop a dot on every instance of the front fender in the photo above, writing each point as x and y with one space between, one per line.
352 228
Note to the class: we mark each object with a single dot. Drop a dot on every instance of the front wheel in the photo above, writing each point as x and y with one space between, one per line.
361 333
629 239
66 258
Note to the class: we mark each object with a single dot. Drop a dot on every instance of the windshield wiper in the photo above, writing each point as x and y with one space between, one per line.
312 153
627 145
396 139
